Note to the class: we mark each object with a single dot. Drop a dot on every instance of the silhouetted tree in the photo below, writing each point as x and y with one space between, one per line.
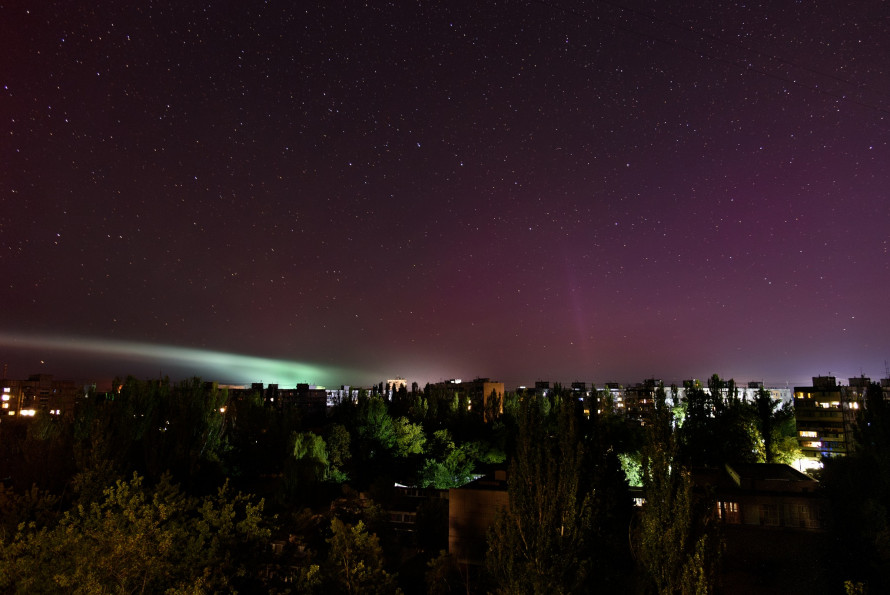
541 544
858 488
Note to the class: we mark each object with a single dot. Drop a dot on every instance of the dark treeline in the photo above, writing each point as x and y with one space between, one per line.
179 487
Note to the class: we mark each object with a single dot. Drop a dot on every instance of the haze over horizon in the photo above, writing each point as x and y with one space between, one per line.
533 190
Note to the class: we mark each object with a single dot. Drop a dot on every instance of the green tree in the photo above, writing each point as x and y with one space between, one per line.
187 423
355 561
374 427
447 465
152 427
409 438
677 542
140 540
310 455
338 439
775 424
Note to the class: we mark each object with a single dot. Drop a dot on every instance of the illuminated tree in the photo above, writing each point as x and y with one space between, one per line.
338 439
374 427
447 465
775 423
677 542
409 437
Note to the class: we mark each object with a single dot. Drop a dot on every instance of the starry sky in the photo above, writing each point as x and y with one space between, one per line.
521 190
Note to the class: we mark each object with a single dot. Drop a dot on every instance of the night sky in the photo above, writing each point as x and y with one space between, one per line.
595 191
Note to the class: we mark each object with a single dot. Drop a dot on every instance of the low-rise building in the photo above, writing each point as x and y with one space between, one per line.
471 511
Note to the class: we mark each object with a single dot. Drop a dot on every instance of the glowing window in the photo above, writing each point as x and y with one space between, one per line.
806 434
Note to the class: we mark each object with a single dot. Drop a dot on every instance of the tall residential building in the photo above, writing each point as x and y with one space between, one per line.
40 392
825 414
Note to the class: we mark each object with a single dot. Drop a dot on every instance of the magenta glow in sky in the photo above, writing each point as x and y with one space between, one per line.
530 190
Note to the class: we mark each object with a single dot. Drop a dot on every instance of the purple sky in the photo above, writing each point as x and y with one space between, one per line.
559 190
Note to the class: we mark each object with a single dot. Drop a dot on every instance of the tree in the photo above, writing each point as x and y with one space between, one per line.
355 561
539 545
444 575
140 540
409 438
152 427
677 542
31 506
447 465
775 423
374 427
311 456
338 438
858 489
718 427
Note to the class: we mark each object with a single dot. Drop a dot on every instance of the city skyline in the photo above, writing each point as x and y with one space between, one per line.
557 191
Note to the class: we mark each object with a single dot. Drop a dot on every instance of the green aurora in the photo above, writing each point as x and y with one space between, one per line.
210 365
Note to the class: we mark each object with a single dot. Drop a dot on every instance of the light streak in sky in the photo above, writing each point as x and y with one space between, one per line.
212 365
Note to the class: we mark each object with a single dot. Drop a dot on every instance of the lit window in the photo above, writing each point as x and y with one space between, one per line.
806 434
4 398
728 511
6 389
813 444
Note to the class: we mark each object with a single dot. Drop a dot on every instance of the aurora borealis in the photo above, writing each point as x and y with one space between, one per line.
523 190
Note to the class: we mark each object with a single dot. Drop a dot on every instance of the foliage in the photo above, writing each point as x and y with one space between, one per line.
447 465
858 489
776 428
153 426
632 467
310 455
717 427
443 575
337 438
32 506
355 561
374 427
138 539
409 437
677 542
539 544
